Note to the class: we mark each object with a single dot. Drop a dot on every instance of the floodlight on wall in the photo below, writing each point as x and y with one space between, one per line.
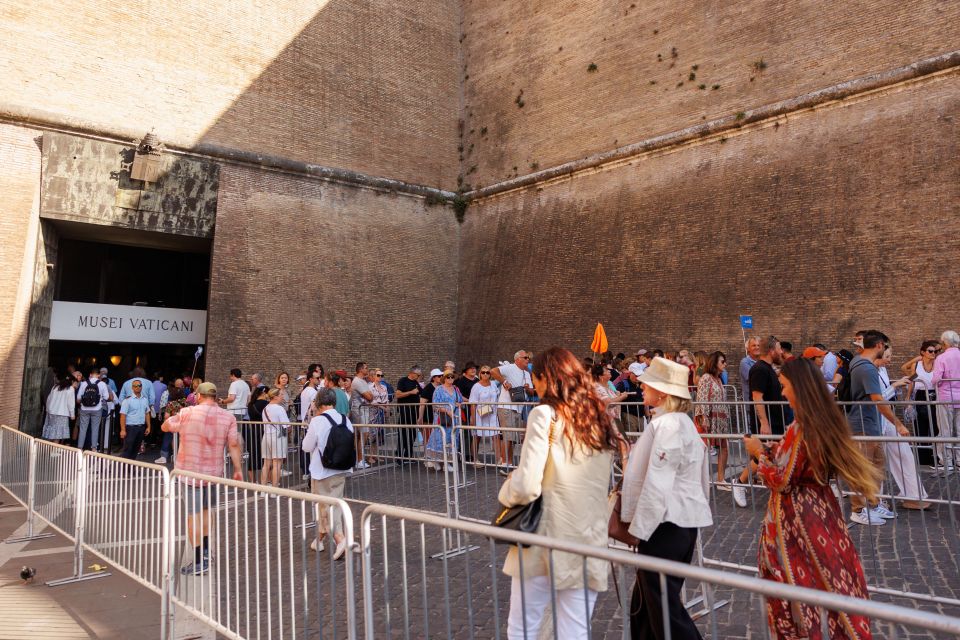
148 158
116 360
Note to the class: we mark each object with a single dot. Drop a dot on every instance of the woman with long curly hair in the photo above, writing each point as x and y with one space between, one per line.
804 540
566 458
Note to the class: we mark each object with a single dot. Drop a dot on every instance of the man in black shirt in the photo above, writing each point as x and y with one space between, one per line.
408 399
765 387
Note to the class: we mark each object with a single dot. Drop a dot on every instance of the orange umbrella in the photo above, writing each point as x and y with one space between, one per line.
599 344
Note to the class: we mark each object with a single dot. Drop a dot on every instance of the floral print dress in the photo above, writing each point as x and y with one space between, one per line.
804 541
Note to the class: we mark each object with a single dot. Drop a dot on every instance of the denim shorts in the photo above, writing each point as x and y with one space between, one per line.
200 498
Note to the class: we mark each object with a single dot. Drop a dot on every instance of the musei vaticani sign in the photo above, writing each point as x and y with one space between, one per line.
121 323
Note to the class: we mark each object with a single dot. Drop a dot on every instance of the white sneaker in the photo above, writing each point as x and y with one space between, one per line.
284 473
363 464
723 485
341 548
160 460
740 496
885 513
449 468
316 545
867 516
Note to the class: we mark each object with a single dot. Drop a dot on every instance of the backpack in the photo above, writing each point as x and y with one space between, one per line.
340 454
844 393
91 395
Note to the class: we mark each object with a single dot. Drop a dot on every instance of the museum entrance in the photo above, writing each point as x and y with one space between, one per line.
123 306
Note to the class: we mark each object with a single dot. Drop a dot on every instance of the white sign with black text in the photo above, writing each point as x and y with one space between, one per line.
121 323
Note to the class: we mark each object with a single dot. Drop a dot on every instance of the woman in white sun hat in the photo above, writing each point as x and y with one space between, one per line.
664 497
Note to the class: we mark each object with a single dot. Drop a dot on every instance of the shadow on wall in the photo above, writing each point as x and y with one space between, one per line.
369 86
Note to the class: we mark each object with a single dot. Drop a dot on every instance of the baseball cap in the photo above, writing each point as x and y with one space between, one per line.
635 368
813 352
435 372
641 352
301 378
207 389
104 371
342 373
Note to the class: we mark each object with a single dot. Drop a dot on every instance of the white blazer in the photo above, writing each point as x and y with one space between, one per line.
667 477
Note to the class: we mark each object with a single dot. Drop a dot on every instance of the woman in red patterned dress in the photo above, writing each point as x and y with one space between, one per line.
804 539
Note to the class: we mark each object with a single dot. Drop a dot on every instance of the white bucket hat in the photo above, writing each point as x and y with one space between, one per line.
667 377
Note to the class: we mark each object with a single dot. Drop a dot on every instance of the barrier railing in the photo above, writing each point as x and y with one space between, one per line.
18 467
127 516
407 596
259 537
248 570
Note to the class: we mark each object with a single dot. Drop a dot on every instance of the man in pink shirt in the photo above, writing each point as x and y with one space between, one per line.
205 430
946 378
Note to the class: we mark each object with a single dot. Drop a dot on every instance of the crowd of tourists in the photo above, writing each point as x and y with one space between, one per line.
570 419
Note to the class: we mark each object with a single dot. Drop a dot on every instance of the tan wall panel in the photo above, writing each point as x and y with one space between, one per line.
570 112
19 224
834 221
305 271
367 85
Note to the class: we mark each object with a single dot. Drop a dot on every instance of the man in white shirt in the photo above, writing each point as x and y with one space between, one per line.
91 404
238 395
324 481
510 376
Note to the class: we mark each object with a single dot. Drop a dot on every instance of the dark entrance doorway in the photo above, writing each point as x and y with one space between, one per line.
172 360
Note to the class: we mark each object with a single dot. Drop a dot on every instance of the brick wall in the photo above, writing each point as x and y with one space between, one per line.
820 224
19 223
367 85
306 271
544 49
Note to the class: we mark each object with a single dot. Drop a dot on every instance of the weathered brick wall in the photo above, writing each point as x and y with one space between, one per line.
820 224
19 222
544 49
307 271
367 85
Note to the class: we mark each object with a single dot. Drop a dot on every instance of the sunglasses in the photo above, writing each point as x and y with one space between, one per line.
933 350
378 375
450 377
136 386
484 373
525 358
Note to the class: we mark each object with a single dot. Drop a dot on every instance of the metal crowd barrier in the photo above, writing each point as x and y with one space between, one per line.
406 596
18 467
263 580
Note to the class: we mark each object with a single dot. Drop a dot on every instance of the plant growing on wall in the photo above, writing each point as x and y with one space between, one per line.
591 67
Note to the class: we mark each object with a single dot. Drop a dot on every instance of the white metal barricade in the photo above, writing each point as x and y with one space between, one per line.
256 575
406 596
18 467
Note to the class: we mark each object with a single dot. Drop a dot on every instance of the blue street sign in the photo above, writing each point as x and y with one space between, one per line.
746 322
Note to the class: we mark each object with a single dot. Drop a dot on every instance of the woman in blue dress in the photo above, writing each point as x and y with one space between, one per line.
446 416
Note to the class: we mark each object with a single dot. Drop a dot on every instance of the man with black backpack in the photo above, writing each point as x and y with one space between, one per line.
330 441
92 396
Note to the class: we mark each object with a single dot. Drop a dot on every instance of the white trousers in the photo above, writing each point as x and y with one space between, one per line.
902 465
571 609
948 426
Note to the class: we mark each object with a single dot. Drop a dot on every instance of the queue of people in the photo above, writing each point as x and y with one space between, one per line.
568 443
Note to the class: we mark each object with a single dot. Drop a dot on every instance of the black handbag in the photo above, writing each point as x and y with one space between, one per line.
518 394
523 517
